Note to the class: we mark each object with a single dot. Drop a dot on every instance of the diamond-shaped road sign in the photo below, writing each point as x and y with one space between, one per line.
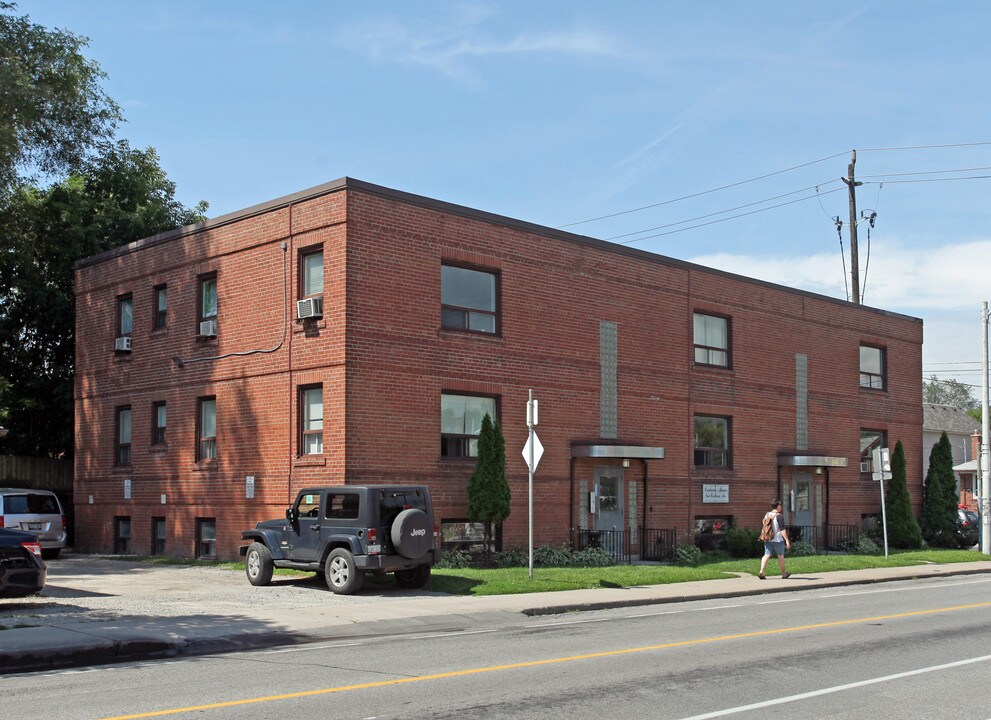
538 450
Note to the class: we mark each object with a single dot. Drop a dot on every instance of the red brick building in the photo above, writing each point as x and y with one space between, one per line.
355 334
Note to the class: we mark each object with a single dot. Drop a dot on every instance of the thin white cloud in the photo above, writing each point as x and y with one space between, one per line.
449 46
939 278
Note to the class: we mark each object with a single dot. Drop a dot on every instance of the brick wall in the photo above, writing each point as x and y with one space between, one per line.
383 361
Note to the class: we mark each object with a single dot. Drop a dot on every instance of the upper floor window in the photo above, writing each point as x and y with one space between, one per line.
206 429
461 422
161 305
711 340
711 441
125 316
311 420
311 274
872 367
208 297
870 440
158 418
123 455
468 299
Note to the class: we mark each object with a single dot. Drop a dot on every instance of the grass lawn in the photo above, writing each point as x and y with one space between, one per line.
507 581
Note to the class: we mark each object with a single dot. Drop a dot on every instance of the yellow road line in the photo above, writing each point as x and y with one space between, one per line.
538 663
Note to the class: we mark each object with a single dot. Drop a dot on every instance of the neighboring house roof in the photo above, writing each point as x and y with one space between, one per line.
952 420
968 467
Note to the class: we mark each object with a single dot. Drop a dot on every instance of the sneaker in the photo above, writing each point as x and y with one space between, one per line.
786 576
762 576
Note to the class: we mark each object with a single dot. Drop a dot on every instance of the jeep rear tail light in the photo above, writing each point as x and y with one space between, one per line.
34 547
2 521
372 534
436 530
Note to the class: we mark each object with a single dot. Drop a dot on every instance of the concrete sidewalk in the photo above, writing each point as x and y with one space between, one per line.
59 639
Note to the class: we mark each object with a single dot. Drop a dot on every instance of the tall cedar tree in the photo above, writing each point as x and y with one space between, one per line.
903 530
939 508
119 196
488 490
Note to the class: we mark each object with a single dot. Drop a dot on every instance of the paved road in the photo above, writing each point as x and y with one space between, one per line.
912 649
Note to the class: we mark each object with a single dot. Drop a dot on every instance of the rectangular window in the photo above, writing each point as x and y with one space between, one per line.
122 535
711 441
461 422
343 507
711 340
158 536
311 274
206 538
468 299
872 367
161 305
158 418
206 429
125 316
123 436
870 440
311 420
208 297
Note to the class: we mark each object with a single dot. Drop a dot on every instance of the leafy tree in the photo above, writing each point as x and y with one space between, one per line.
53 110
939 508
903 530
948 392
119 196
488 490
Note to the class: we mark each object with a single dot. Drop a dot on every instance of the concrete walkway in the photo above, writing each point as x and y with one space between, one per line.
34 640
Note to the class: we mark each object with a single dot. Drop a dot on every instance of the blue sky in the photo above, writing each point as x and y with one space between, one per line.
559 112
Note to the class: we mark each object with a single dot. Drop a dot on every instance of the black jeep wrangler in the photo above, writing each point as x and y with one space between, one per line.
346 531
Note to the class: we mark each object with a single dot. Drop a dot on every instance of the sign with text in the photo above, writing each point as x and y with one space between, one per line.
715 493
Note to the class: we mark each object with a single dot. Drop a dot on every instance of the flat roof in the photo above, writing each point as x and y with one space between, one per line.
348 183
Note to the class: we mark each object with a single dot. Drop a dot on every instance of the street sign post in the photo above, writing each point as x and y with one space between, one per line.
532 451
882 472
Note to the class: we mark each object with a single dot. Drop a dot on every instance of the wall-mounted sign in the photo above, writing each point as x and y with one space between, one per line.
249 487
127 489
715 493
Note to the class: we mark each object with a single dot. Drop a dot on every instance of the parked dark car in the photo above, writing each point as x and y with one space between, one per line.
345 532
22 571
968 527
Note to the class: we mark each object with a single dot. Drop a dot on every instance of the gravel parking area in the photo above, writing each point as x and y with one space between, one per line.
88 588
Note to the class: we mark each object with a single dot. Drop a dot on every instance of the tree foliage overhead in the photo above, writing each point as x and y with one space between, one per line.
119 195
53 110
948 392
939 508
488 490
903 530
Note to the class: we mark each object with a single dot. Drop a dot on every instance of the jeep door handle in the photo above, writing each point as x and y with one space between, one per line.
315 527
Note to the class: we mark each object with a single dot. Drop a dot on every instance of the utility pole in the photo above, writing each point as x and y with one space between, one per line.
985 463
854 262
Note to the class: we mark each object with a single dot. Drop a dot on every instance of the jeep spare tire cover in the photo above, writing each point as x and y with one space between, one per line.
412 535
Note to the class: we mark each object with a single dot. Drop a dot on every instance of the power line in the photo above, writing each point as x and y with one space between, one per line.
698 194
926 147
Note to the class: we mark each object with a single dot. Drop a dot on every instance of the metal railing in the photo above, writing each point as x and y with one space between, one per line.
652 543
825 537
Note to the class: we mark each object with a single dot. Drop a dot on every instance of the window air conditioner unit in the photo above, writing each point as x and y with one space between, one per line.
865 466
208 328
309 308
122 344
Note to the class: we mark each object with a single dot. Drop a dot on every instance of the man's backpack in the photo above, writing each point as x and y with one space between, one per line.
767 530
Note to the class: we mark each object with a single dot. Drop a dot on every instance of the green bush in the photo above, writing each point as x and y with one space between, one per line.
455 559
744 543
687 554
593 557
512 558
866 546
800 548
552 556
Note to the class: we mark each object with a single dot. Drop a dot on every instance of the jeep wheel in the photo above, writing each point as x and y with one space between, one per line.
341 574
258 564
412 533
413 579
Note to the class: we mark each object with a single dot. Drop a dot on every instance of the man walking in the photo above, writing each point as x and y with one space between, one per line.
777 542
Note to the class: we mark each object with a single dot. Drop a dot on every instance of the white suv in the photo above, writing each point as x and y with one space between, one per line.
35 511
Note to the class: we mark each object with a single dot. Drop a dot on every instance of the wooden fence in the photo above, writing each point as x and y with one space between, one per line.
32 472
